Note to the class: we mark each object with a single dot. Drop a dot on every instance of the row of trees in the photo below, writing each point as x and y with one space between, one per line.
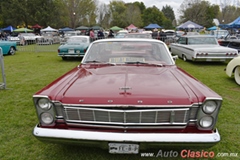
74 13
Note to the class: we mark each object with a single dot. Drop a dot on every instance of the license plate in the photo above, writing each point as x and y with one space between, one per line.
71 51
123 148
216 60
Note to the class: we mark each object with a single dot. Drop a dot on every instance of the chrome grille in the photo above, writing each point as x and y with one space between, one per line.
126 117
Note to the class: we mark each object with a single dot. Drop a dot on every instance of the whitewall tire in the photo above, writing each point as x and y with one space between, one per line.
237 75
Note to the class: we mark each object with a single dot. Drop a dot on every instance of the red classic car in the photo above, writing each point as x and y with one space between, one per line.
127 95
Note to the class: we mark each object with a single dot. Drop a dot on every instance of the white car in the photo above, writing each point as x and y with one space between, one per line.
233 67
201 48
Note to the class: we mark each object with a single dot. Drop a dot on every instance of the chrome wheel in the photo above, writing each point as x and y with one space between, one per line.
237 75
184 58
11 51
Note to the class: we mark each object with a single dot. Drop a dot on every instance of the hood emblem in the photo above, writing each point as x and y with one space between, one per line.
125 88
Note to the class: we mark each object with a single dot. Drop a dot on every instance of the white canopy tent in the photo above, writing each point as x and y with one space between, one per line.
49 29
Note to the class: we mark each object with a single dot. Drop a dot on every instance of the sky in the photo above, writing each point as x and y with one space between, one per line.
175 4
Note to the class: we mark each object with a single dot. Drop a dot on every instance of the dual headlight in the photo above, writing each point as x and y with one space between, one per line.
207 116
45 110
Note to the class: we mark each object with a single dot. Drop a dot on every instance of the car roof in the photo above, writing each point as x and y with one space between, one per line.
128 40
198 36
79 36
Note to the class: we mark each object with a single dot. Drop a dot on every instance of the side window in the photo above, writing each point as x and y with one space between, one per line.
182 40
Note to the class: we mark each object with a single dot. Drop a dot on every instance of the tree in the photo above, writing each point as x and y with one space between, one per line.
200 12
25 12
170 17
168 12
133 14
153 15
118 13
80 12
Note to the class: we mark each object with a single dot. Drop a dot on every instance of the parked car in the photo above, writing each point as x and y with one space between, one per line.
120 34
67 35
29 38
23 38
230 42
138 35
8 47
14 38
201 48
48 38
75 46
219 34
233 68
127 94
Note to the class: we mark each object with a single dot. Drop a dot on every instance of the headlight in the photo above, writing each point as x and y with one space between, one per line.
209 107
206 121
46 118
44 104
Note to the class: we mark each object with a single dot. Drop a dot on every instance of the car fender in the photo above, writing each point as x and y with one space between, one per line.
232 65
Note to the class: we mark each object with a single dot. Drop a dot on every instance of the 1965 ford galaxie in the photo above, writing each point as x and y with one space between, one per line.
201 48
127 95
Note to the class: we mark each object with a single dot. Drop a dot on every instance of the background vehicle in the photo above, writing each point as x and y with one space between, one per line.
201 48
48 38
76 46
233 68
67 35
8 47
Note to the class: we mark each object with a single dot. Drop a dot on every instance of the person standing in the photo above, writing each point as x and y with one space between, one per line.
92 36
110 34
100 34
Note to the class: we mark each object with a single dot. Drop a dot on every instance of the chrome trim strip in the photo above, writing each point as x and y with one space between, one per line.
124 110
118 123
74 135
128 106
129 127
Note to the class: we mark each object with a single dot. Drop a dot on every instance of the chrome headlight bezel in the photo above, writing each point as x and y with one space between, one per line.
208 111
206 119
44 104
47 118
209 107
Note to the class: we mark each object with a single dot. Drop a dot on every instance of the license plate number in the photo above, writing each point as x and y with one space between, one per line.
123 148
71 51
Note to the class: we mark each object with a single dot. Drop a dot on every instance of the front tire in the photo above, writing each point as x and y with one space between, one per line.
237 75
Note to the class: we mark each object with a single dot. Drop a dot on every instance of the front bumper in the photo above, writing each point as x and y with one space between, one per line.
71 55
145 140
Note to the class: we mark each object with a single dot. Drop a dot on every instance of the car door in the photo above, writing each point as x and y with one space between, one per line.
178 47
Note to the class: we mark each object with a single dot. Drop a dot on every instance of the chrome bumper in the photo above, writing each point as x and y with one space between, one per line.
144 139
71 55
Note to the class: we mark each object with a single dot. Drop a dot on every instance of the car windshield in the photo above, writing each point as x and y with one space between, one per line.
202 40
128 52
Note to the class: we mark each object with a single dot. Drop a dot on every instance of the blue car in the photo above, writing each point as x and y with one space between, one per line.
8 47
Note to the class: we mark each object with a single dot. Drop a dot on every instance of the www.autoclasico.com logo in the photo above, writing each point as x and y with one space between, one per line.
184 154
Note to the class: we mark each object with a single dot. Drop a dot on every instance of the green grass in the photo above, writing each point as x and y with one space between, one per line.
27 72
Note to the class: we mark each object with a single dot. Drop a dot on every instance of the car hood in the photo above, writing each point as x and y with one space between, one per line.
137 85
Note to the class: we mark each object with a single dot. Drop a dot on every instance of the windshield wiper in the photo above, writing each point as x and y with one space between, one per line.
94 61
138 62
